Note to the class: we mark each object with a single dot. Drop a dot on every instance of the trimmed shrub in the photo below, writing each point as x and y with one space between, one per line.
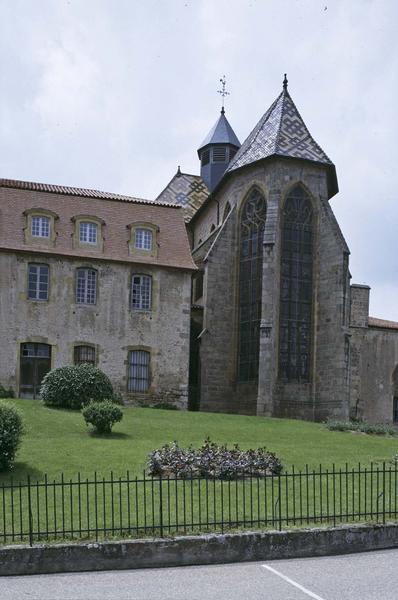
362 426
212 460
102 415
11 430
74 387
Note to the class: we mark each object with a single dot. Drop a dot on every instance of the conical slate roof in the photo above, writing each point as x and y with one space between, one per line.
221 133
282 132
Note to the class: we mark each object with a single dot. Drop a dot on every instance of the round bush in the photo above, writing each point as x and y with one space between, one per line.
102 415
11 430
74 387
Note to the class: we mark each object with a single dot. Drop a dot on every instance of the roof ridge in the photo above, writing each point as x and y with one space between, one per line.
75 191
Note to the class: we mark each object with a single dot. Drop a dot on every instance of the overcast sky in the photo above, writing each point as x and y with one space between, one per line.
115 94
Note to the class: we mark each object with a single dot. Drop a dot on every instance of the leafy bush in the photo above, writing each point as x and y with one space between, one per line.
212 460
6 393
11 430
358 425
74 387
102 415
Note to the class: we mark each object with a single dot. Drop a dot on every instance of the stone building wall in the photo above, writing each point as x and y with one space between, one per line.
110 325
327 392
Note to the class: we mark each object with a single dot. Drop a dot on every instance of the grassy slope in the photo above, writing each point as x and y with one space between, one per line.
58 440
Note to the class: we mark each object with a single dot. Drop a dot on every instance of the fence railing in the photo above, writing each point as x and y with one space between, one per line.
99 508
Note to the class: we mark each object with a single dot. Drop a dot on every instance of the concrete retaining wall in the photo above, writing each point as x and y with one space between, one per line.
195 550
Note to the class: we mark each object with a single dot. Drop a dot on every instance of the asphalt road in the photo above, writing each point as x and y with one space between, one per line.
366 576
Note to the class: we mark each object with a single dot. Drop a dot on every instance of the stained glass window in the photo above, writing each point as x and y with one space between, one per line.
250 279
296 287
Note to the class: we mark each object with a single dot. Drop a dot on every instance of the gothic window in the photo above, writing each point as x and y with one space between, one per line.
138 371
86 286
38 280
141 292
250 279
84 354
296 287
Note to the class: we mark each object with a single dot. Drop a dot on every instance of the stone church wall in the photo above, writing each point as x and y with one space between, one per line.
110 325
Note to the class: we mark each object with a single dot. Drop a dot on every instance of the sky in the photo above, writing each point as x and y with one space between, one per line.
115 94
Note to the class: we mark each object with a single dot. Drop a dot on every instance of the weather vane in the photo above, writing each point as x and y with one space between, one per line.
223 92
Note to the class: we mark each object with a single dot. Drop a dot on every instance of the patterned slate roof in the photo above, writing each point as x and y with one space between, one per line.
280 132
221 133
70 191
188 191
373 322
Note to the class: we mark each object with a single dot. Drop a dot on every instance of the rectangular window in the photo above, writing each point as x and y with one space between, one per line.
41 227
84 354
38 278
86 286
395 410
138 373
141 292
88 233
143 239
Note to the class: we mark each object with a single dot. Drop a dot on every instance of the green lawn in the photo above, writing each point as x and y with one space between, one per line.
58 441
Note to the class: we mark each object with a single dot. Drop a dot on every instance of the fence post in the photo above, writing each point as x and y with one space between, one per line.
280 502
161 505
384 492
30 514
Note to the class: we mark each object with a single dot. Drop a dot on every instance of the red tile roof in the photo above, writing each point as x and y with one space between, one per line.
74 191
373 322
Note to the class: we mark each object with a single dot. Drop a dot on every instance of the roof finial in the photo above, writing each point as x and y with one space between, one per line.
223 93
285 82
178 171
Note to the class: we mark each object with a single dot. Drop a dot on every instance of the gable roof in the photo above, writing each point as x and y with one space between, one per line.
281 131
70 191
220 133
373 322
188 191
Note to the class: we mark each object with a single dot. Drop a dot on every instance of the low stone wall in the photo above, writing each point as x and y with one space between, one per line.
195 550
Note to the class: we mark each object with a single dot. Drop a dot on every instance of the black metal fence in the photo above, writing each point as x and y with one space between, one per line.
99 508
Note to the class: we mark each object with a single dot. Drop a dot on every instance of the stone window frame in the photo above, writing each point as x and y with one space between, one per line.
29 238
37 299
140 308
144 350
142 252
86 345
86 268
77 220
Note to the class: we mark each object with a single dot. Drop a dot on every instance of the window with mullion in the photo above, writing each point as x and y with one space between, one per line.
143 239
141 292
88 232
250 285
296 287
86 286
40 226
38 281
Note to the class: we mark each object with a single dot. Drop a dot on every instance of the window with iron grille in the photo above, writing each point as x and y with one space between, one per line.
296 287
143 239
86 286
141 292
88 232
84 354
219 154
41 227
138 371
38 280
250 282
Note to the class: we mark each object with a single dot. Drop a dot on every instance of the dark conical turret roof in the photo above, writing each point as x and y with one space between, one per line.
281 131
221 133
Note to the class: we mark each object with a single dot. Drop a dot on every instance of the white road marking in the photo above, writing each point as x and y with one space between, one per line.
297 585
